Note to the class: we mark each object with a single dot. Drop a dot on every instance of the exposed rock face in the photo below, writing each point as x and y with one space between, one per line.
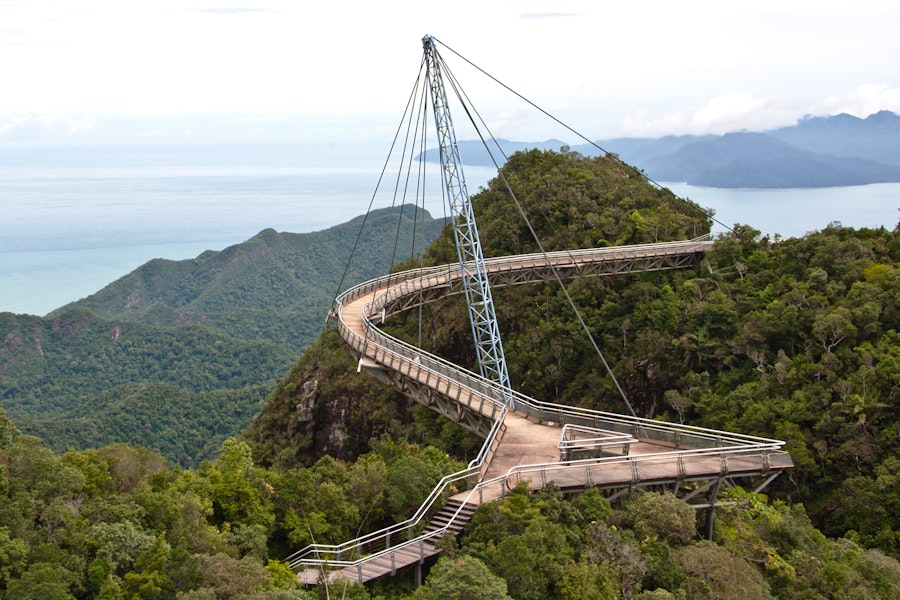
324 407
307 402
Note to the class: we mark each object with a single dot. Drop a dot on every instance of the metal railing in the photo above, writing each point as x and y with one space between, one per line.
488 399
403 534
675 466
577 442
355 553
681 465
474 390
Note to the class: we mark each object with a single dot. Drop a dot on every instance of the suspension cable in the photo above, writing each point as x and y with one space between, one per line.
537 240
612 155
387 160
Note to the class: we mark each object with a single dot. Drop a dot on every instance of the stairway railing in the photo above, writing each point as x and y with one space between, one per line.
487 398
409 531
352 555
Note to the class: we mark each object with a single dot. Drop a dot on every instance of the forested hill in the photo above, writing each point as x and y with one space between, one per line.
276 286
80 381
178 355
796 339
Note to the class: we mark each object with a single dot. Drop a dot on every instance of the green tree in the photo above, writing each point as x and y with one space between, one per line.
119 544
42 580
150 577
239 494
587 581
222 576
8 431
462 578
13 557
714 573
660 516
593 506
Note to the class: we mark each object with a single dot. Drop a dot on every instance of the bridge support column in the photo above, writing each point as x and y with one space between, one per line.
711 511
710 522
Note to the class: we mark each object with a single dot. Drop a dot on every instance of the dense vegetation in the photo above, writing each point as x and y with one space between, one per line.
118 523
795 339
82 381
544 546
179 355
275 286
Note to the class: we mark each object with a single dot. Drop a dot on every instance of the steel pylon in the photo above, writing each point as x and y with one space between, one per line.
482 316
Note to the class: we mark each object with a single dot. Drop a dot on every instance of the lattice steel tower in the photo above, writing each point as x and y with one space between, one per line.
483 317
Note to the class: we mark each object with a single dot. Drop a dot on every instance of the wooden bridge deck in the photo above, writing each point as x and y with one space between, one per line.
527 451
374 568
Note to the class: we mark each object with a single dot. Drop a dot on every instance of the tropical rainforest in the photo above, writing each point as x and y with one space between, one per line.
179 355
796 339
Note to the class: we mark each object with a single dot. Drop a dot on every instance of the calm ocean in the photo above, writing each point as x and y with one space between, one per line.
75 219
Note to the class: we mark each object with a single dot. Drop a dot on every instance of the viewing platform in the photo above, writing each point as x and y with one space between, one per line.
527 441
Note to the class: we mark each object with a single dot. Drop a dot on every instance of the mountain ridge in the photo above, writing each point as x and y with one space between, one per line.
839 150
221 289
178 355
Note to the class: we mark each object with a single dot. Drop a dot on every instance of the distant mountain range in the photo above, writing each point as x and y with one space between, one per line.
816 152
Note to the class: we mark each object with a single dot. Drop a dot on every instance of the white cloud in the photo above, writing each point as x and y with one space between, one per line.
347 60
863 101
733 111
742 111
37 127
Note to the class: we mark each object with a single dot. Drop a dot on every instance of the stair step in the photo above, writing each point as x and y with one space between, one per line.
444 518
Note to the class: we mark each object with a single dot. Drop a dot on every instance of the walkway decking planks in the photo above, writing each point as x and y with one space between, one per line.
527 450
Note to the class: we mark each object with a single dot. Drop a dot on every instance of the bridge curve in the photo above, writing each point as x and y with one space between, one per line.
536 443
440 384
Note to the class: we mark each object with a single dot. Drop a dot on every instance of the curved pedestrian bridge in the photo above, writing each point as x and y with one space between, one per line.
527 441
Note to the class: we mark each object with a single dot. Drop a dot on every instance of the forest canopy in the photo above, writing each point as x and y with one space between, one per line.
796 339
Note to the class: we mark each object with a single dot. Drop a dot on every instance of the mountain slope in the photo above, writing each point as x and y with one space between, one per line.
253 289
794 339
185 351
877 137
325 406
638 151
759 160
816 152
78 380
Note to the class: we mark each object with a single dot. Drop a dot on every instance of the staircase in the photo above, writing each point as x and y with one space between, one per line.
444 517
389 561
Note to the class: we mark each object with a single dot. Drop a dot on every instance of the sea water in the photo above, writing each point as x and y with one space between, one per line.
796 212
74 219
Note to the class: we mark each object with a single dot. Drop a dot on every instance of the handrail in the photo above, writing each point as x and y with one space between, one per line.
542 412
385 534
568 437
594 441
490 398
557 472
337 551
515 475
340 563
649 457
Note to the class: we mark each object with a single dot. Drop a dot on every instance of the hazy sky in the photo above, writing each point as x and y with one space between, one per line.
287 69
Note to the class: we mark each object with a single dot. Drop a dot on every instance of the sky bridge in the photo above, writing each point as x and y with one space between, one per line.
530 442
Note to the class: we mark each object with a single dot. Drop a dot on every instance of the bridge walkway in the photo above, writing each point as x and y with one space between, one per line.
524 444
